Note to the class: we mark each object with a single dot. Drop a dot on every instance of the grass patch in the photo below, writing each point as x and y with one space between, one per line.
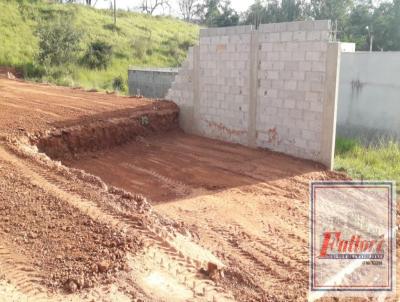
137 40
378 161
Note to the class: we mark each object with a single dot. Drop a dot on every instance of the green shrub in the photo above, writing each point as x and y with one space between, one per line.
32 70
98 55
58 42
119 84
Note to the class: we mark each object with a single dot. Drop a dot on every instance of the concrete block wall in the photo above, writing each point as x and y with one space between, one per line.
150 82
274 87
182 91
224 78
292 79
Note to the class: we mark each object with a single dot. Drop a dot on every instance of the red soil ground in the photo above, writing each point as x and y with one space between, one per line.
221 223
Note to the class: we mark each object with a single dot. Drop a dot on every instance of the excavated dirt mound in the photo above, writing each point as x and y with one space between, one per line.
70 249
89 136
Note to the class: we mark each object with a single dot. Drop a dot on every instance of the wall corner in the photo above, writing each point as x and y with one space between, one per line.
328 136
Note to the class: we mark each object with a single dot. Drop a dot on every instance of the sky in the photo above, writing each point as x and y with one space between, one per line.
238 5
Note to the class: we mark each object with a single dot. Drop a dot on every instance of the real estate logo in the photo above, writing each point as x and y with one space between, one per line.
352 239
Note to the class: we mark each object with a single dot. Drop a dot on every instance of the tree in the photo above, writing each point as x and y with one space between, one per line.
291 10
217 13
149 6
379 25
335 10
386 26
187 8
275 11
360 19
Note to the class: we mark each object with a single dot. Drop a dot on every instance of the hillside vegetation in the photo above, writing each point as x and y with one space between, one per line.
138 40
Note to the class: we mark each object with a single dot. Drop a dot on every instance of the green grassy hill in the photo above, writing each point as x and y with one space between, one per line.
138 40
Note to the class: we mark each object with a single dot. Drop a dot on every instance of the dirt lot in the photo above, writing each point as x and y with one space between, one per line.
138 210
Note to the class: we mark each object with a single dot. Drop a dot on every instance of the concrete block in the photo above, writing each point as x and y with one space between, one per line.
322 25
278 84
285 75
299 36
279 46
290 104
316 107
286 36
315 76
272 75
298 55
267 28
313 56
278 65
205 40
281 27
273 56
318 67
266 46
307 25
313 36
305 66
293 26
291 65
298 75
290 85
285 55
273 37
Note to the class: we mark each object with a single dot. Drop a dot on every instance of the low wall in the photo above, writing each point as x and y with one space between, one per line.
274 87
369 95
150 82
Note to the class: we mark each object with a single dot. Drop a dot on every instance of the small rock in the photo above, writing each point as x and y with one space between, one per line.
71 286
214 273
32 235
95 268
103 266
211 268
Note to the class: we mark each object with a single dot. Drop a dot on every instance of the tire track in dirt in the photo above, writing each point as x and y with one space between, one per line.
175 186
17 270
156 237
78 99
266 264
28 108
53 104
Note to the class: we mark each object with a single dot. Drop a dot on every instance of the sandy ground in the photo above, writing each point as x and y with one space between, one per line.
164 217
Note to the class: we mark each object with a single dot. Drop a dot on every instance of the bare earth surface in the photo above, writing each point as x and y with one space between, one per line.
248 206
138 210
